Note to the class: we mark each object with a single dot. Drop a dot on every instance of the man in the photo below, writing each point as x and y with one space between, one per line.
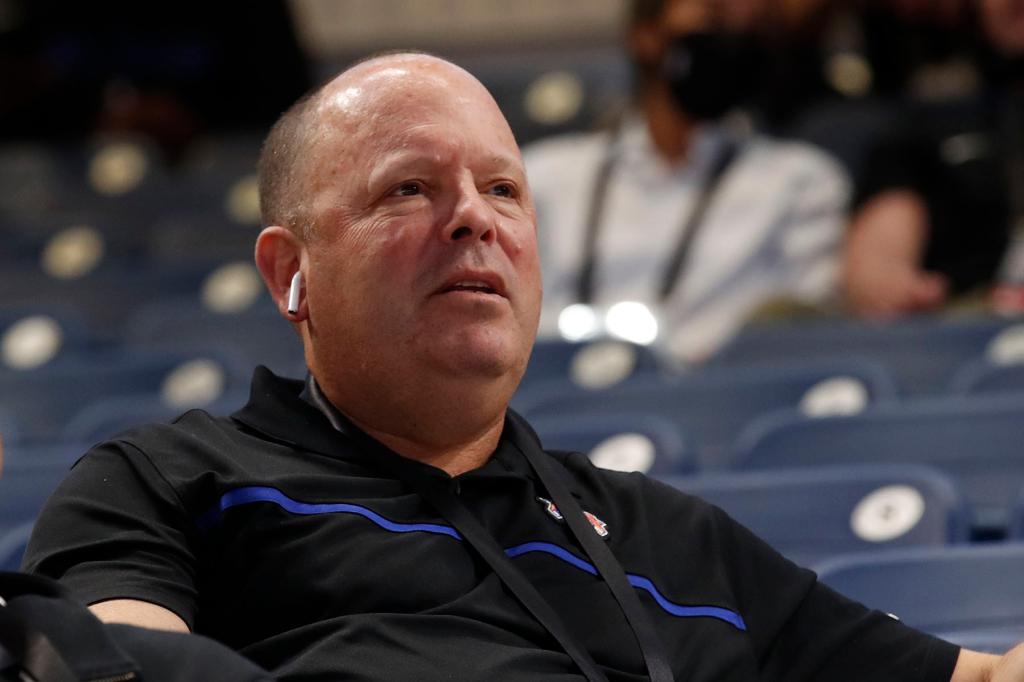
674 208
389 518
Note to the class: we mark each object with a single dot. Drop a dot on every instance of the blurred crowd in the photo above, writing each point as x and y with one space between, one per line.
876 169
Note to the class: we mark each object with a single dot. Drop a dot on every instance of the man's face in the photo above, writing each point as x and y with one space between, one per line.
424 257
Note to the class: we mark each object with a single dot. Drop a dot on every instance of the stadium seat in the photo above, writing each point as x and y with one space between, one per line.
984 376
977 441
596 364
258 335
43 400
810 514
13 543
921 353
622 441
711 405
971 588
107 417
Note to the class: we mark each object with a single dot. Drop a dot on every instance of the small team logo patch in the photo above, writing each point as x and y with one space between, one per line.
600 527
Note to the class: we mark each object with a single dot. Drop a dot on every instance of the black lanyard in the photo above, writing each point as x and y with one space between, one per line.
434 490
688 227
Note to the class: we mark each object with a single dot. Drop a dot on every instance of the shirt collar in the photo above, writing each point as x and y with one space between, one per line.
636 150
281 410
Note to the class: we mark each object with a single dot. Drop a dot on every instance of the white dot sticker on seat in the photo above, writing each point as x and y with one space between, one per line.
554 98
624 452
193 384
31 342
837 396
887 513
602 364
232 288
1007 348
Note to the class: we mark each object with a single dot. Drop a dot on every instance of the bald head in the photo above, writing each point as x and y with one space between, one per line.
380 87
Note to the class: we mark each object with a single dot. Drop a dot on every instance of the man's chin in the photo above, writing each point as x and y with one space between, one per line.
481 356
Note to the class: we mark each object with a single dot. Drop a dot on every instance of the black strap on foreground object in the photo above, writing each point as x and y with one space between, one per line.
437 494
604 561
32 651
689 226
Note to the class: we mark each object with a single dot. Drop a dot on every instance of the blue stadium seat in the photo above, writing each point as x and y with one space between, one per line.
972 588
44 400
603 363
622 441
922 353
109 416
811 514
13 543
977 441
104 298
984 376
712 405
259 336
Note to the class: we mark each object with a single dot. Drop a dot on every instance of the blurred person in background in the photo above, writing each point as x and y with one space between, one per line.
674 206
940 204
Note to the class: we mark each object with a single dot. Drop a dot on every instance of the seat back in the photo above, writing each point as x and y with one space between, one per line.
622 441
712 405
967 588
811 514
921 353
978 442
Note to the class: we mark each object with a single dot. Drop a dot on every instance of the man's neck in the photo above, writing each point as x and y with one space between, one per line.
455 440
452 458
670 129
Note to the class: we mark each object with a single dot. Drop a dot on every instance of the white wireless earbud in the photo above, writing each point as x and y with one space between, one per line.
293 293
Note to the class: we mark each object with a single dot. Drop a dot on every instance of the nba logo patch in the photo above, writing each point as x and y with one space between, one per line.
600 527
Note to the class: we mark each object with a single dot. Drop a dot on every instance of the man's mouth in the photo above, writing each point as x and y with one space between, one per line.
471 285
474 282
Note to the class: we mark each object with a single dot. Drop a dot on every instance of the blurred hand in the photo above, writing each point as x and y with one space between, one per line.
882 276
1010 667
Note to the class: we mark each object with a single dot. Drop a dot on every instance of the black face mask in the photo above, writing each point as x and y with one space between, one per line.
711 73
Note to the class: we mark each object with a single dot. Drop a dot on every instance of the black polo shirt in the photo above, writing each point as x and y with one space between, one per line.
271 532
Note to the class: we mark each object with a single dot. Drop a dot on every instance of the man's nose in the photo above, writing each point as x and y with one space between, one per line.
473 218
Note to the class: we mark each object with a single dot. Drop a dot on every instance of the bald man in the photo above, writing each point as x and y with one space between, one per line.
389 517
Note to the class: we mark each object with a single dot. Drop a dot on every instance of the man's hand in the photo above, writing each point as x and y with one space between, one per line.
973 666
882 275
1010 668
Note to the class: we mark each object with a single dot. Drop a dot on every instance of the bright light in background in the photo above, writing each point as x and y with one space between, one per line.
632 321
578 322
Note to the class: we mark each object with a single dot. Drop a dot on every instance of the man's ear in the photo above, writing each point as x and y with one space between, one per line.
278 257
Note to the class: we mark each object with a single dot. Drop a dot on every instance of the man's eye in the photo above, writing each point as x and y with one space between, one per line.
503 189
409 189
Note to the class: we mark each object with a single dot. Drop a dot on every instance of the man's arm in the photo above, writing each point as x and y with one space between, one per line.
973 666
141 613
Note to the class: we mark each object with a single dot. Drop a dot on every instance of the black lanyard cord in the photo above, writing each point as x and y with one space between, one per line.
688 227
609 568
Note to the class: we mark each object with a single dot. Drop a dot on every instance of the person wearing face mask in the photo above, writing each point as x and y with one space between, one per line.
677 208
